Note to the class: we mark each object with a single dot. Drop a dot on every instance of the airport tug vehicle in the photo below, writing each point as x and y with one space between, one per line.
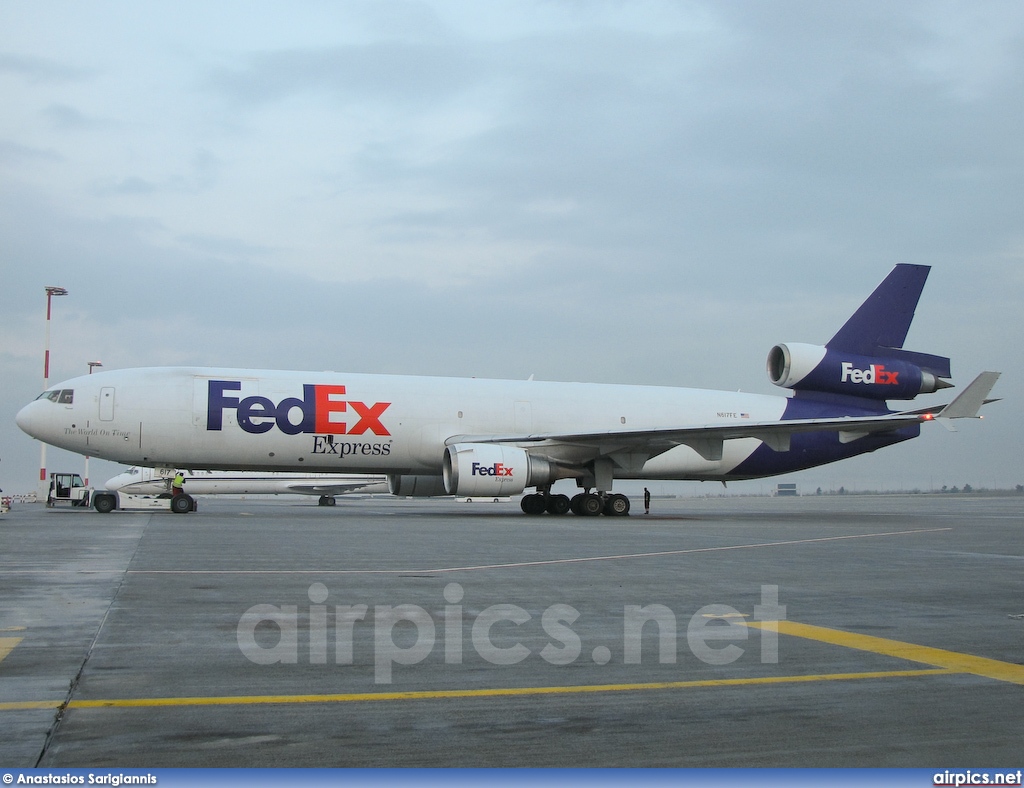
69 488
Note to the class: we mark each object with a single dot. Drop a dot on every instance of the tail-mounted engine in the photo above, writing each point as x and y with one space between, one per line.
483 469
814 368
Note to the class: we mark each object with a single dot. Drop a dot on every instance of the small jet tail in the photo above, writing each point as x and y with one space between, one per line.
880 324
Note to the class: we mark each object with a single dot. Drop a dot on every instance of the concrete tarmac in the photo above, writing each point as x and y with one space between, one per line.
813 631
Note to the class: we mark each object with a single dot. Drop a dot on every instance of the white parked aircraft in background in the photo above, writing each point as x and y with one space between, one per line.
490 438
152 481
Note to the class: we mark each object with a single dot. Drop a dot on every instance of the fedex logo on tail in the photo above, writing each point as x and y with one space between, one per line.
876 373
318 411
498 469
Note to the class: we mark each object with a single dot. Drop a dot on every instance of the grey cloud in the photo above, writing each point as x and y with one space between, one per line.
39 69
15 153
132 185
226 249
385 71
204 174
776 138
65 118
206 168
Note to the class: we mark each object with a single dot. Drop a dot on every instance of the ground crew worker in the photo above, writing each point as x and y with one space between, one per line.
647 501
178 484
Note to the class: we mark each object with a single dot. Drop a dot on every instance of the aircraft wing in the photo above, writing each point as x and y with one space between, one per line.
707 440
631 447
311 487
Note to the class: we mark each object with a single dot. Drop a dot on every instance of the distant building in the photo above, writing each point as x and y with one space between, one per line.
786 490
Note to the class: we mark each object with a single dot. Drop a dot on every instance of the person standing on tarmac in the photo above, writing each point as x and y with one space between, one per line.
647 501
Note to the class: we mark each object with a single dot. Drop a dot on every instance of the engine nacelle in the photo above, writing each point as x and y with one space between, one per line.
814 368
416 486
483 469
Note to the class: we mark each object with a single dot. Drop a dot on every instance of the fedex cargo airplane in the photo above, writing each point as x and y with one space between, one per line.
475 437
157 481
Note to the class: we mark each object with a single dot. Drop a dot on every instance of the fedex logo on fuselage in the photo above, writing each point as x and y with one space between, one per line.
498 469
316 412
876 373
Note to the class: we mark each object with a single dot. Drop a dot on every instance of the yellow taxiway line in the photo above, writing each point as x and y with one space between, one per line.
943 662
7 646
953 661
495 692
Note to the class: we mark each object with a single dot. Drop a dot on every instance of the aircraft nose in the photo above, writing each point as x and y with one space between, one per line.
30 420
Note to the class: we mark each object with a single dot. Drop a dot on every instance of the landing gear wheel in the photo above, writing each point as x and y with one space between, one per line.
616 505
326 500
558 504
181 504
587 504
533 503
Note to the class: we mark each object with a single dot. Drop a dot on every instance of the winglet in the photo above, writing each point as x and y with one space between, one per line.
967 404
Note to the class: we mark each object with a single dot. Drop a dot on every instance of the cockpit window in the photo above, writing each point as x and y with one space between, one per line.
63 396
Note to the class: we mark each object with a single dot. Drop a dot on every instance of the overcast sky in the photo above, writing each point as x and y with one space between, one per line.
642 192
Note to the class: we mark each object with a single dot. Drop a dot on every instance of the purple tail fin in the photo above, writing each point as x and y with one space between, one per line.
881 323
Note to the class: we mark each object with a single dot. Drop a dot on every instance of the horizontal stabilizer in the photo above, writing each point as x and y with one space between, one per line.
969 401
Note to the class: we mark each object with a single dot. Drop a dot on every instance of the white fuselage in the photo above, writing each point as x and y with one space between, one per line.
325 422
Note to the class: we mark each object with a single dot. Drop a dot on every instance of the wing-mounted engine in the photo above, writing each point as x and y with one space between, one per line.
893 374
484 469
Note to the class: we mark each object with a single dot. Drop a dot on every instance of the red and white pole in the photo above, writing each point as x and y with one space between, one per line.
50 293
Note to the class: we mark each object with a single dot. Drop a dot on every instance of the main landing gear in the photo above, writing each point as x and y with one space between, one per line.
586 504
326 500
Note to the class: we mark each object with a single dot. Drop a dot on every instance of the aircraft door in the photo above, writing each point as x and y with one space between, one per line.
107 403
